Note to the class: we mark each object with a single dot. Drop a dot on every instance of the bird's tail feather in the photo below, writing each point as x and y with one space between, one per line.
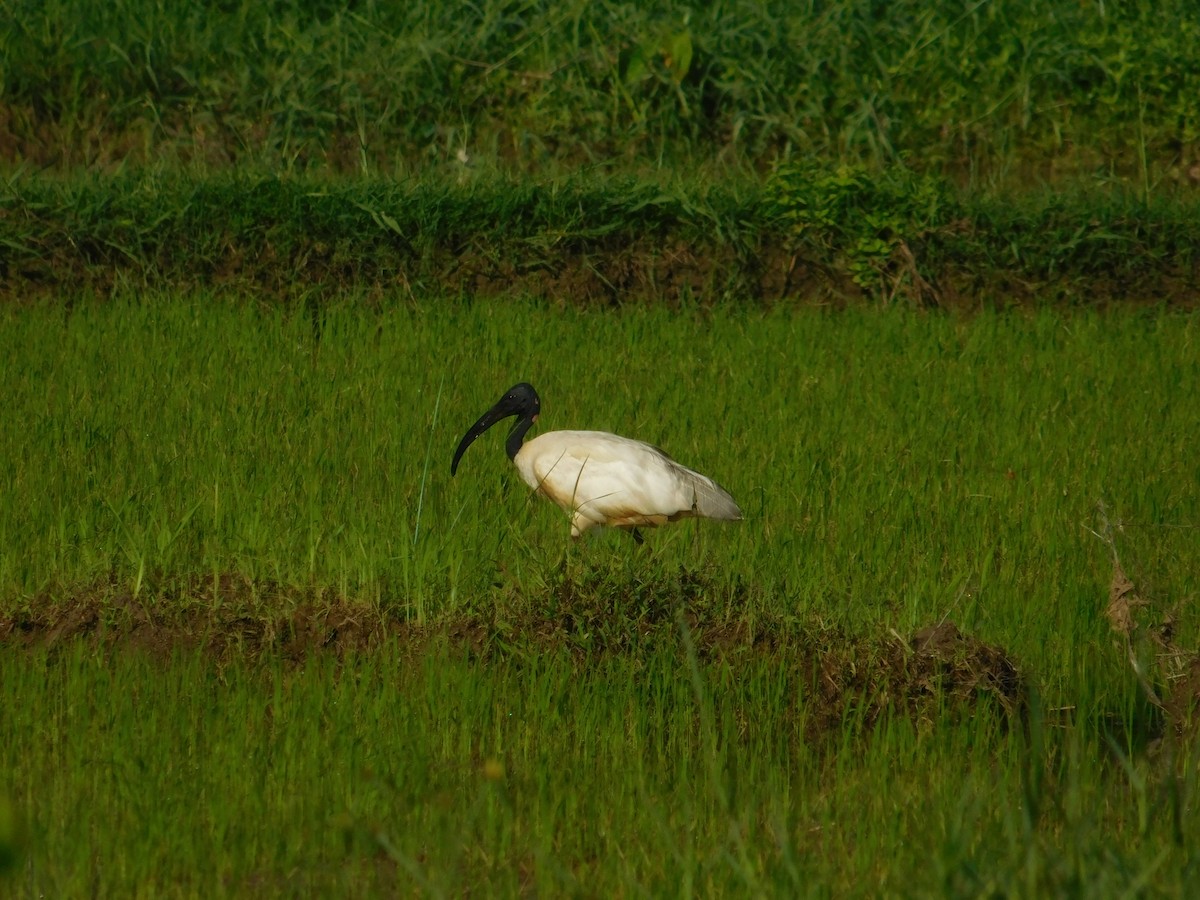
713 501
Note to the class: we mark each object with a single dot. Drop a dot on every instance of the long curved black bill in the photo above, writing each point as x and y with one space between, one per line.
486 421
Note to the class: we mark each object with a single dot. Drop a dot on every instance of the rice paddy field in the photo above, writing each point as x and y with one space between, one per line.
299 657
262 266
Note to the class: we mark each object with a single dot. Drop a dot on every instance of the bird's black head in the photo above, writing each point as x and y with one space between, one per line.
520 400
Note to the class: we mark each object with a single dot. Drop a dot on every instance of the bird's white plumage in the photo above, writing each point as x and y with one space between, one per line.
605 479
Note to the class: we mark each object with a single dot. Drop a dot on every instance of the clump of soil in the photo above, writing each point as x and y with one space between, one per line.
938 669
227 618
944 661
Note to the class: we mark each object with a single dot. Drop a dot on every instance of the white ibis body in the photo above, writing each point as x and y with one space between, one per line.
600 478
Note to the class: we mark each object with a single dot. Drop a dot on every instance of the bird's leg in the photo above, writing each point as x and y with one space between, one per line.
642 546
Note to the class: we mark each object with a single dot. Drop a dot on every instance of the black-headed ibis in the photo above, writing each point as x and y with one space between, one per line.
600 478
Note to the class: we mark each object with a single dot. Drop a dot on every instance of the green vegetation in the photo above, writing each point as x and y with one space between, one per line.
1003 152
211 480
808 234
158 436
383 88
916 282
385 775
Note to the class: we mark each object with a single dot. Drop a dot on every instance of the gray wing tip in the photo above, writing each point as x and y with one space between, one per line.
733 515
709 499
718 503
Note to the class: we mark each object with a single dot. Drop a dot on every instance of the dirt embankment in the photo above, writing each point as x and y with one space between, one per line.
234 621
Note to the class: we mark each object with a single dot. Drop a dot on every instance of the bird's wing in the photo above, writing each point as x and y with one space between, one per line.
616 480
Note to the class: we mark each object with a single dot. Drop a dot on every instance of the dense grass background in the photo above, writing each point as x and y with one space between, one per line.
986 89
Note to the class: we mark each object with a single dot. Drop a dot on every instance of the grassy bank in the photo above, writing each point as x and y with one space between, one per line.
809 234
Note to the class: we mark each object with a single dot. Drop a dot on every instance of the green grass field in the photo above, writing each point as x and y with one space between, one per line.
597 718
